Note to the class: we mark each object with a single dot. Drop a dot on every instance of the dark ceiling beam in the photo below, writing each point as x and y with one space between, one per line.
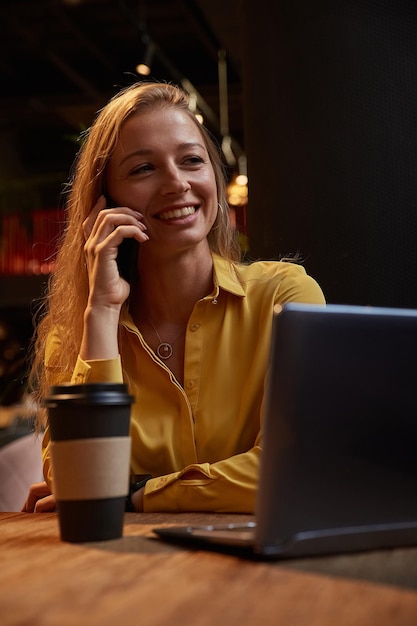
200 25
73 75
84 39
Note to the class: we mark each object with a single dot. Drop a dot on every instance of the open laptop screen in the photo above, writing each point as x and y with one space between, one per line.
340 437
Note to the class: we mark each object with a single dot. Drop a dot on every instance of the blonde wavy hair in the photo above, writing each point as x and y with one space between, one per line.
62 308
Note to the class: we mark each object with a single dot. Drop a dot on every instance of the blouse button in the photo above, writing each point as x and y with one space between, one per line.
195 327
190 384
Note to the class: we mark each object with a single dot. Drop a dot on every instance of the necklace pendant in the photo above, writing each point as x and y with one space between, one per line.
164 351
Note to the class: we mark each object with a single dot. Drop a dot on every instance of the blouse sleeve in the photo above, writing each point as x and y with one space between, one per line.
226 486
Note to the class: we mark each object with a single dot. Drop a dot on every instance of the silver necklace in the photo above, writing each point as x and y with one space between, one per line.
165 349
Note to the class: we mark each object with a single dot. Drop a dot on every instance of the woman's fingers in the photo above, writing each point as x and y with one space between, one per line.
37 492
45 505
102 223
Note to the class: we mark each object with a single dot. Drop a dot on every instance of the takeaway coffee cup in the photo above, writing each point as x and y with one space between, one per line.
90 451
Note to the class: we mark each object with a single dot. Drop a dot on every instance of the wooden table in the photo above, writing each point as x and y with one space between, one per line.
141 581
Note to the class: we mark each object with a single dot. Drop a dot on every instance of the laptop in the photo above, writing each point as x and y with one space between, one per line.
338 470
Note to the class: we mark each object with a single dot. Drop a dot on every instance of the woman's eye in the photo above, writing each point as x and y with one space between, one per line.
195 160
145 167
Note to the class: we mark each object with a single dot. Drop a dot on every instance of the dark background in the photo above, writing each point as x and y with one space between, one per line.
336 134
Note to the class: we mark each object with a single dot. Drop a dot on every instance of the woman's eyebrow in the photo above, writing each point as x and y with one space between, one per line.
192 144
140 152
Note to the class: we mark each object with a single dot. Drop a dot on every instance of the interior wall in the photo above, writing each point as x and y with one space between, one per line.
330 93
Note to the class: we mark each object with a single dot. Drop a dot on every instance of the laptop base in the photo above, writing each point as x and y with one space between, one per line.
241 538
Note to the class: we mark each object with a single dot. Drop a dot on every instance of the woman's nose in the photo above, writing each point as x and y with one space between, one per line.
175 182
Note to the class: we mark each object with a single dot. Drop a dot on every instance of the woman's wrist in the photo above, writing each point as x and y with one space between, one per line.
137 500
134 499
100 333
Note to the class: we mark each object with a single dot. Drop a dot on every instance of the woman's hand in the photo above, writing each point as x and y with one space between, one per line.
104 231
39 500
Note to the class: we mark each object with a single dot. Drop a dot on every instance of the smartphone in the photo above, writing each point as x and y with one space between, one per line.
127 254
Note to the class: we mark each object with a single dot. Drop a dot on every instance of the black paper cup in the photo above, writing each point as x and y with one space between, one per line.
90 449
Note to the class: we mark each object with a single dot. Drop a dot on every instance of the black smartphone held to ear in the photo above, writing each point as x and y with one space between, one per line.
127 254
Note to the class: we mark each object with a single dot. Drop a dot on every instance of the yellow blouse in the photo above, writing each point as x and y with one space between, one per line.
211 425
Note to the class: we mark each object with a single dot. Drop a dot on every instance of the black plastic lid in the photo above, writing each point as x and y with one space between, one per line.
89 393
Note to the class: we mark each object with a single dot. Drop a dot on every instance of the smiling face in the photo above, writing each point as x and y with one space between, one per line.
161 168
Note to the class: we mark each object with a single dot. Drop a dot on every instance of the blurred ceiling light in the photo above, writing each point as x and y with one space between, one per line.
237 194
243 165
227 150
192 105
241 180
144 68
224 109
193 101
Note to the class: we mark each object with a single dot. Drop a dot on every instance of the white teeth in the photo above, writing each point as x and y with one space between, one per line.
169 215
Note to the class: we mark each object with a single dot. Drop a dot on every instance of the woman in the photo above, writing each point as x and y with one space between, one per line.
187 327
